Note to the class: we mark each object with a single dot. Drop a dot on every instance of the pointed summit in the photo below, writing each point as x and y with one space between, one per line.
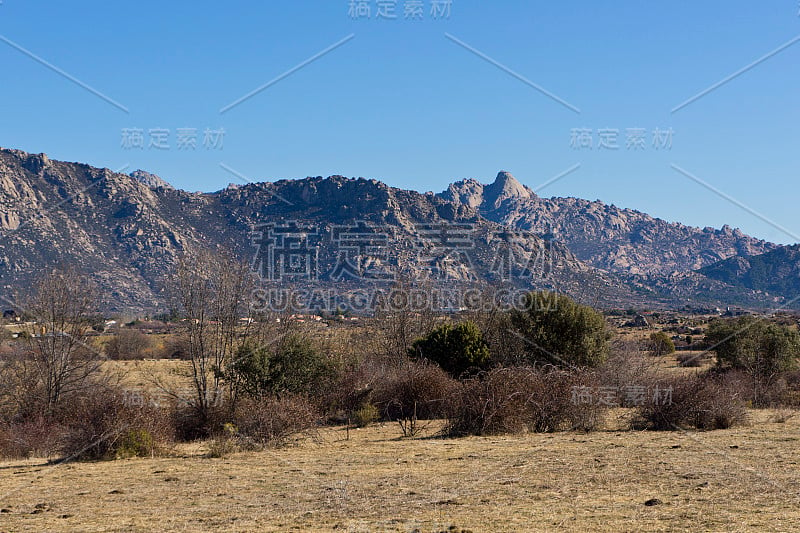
151 180
505 186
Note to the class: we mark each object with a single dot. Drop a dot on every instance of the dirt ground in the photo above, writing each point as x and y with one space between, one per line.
744 479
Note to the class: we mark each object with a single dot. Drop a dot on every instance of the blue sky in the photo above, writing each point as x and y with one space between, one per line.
401 102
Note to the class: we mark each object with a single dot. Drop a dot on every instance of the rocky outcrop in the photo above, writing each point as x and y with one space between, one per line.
151 180
128 232
619 240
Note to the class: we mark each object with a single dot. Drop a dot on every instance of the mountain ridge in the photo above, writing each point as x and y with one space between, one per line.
129 231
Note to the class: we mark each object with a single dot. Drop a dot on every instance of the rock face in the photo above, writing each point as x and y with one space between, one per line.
151 180
129 235
604 236
128 232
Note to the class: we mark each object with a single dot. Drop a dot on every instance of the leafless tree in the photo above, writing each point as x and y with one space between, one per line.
405 317
212 289
57 355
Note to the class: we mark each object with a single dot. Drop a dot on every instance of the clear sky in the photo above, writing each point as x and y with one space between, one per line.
420 102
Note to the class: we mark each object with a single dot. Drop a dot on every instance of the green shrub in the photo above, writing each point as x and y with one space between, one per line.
365 415
562 332
293 366
136 443
755 345
457 349
661 344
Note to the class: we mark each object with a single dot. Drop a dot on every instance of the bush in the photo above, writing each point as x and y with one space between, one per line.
456 349
564 333
754 345
30 437
661 344
128 344
138 442
712 401
191 423
294 366
96 424
693 360
720 404
99 424
411 392
514 400
353 389
365 415
628 364
271 421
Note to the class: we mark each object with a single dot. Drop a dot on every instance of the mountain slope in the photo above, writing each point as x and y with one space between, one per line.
128 232
129 236
604 236
775 272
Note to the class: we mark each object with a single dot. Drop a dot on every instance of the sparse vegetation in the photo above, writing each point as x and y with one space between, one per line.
129 344
515 400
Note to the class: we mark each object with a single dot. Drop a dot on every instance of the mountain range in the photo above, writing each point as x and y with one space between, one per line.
128 232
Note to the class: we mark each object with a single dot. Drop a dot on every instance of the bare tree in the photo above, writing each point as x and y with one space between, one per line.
58 356
212 290
408 314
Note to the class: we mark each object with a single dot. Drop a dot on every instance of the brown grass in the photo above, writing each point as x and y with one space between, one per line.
729 480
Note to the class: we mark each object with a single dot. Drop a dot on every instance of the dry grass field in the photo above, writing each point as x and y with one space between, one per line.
744 479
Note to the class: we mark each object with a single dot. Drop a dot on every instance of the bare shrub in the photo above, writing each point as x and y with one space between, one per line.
210 290
272 421
670 406
693 359
514 400
789 384
782 416
129 344
711 401
175 347
720 404
57 355
191 423
100 424
37 436
351 391
96 424
400 323
779 390
628 363
413 391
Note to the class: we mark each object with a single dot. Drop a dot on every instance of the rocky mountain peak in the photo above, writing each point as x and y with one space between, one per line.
151 180
505 186
474 194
